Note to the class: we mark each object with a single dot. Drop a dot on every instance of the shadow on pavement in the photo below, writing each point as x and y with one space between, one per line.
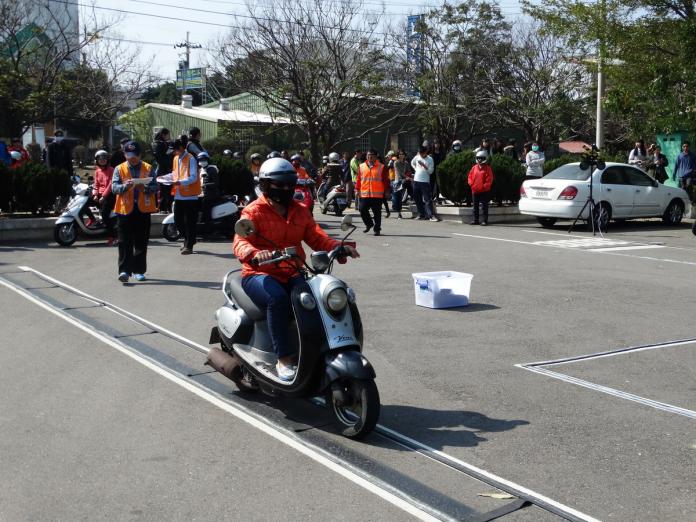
213 285
442 428
472 307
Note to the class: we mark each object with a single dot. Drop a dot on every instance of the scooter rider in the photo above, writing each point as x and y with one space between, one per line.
280 222
101 191
255 163
210 187
332 173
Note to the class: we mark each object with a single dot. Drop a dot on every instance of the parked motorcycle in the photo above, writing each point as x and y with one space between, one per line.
326 329
71 223
219 217
335 200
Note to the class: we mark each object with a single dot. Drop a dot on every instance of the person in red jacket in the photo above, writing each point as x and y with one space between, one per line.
101 192
480 181
280 222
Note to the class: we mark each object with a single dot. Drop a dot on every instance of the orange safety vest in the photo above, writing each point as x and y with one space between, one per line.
147 203
371 183
392 173
194 189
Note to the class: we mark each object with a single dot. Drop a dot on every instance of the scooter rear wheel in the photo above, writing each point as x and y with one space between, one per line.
65 234
355 406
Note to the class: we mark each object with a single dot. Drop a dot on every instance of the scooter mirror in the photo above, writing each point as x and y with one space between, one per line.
347 222
244 228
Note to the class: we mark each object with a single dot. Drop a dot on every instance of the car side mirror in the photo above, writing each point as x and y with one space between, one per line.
244 228
346 222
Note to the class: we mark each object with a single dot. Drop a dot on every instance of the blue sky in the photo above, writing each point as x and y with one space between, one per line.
162 33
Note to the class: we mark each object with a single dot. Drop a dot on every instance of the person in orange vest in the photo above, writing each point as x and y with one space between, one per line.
187 187
134 204
372 186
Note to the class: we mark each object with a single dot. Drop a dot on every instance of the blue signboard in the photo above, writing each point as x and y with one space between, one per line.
414 50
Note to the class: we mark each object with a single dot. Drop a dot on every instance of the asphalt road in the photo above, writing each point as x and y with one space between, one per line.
88 432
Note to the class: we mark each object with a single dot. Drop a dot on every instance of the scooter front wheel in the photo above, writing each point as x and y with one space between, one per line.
170 232
65 234
354 404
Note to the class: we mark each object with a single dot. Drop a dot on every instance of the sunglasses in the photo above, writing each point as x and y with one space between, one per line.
284 185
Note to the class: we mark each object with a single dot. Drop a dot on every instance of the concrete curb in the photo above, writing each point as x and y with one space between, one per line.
495 214
41 229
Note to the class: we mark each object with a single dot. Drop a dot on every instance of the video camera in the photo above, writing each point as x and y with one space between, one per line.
590 158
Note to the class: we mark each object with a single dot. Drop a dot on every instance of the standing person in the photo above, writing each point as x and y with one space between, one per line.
193 145
437 156
58 154
485 146
423 168
103 177
17 146
638 154
480 180
685 169
255 165
372 185
659 163
535 162
162 147
119 156
347 179
401 173
187 186
134 204
511 149
355 162
308 165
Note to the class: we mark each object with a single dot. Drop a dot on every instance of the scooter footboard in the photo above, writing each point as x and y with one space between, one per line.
347 364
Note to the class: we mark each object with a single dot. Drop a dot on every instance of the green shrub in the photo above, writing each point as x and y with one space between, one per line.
235 176
564 159
262 149
452 177
216 146
34 187
508 176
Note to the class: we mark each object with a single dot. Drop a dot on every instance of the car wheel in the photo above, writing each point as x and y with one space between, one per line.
602 215
546 222
674 213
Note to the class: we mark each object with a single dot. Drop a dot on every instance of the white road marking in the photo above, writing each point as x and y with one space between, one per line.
541 368
588 242
612 391
246 415
634 247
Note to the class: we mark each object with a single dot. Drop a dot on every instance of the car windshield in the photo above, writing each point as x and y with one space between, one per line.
570 171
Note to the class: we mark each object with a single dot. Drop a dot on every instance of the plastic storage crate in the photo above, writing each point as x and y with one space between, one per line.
442 289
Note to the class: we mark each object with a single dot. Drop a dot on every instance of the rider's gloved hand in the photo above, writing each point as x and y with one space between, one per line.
262 255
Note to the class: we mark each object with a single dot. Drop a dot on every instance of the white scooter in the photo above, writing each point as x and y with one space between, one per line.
335 201
70 223
325 328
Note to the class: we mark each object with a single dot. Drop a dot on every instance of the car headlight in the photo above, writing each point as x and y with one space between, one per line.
337 299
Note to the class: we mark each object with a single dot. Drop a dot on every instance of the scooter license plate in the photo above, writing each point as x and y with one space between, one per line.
341 201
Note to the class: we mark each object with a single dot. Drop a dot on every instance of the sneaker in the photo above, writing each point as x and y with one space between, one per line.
378 233
285 373
388 214
473 222
433 218
140 277
186 251
400 216
484 223
422 218
367 229
123 277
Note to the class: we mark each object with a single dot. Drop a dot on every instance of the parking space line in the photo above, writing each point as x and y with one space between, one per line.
540 367
612 391
399 499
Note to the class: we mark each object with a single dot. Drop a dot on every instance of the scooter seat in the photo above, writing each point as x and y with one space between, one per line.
238 295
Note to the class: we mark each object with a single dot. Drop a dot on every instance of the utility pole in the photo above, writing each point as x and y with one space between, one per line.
188 46
599 131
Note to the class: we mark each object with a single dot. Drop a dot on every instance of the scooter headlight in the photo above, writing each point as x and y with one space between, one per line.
337 299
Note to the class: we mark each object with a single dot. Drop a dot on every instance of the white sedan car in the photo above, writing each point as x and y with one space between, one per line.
620 192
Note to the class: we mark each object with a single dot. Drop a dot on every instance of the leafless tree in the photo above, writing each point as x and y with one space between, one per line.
321 62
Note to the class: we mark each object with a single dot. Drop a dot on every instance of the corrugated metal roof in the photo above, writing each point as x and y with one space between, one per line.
215 114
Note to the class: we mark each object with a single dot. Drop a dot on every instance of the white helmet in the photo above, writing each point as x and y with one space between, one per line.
482 155
457 145
278 170
16 155
101 153
334 157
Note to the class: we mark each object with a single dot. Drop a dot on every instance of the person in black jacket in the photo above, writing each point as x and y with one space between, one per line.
162 149
119 156
58 155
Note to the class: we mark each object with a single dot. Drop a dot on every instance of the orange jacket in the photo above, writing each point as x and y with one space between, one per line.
480 178
284 232
302 173
372 182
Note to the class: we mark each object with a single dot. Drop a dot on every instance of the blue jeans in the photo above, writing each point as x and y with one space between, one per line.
270 294
422 193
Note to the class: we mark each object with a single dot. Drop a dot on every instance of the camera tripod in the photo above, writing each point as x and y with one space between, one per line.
590 161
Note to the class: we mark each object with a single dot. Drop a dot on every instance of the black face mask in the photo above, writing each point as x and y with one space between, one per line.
281 196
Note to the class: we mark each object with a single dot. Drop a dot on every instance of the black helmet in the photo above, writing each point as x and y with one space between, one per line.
278 170
273 154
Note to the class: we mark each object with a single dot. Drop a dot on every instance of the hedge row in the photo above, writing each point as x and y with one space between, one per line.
452 176
33 187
